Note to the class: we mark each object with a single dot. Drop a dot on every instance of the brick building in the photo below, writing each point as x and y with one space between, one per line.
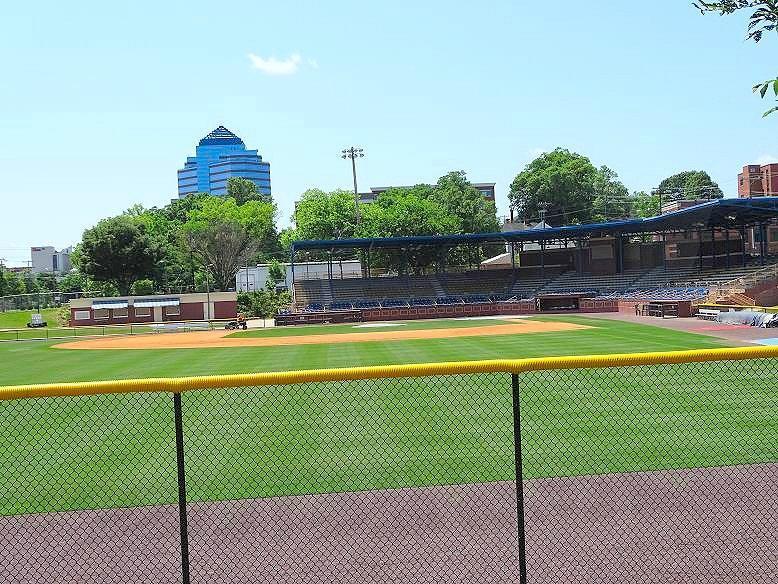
758 181
148 309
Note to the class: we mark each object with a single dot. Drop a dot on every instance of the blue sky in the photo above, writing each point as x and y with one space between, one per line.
101 102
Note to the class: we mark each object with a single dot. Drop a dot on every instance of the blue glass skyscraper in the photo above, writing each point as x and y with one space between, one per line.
219 156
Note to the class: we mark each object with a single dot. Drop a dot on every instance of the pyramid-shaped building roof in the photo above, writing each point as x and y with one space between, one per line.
219 136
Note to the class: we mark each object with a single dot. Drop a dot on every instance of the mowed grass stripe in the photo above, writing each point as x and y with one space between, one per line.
35 362
76 453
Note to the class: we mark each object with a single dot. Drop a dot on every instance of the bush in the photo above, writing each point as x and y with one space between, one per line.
263 303
142 288
63 315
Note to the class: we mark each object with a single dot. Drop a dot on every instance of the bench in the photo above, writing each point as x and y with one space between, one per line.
707 314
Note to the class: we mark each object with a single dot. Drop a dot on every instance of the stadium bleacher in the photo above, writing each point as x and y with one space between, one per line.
480 286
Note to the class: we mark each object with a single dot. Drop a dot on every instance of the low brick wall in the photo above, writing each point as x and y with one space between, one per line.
485 309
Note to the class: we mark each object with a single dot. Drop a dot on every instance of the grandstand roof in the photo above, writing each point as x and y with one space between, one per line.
721 213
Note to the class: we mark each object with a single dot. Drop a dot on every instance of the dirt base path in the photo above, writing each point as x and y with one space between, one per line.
203 339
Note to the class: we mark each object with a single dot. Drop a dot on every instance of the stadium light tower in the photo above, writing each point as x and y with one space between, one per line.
354 153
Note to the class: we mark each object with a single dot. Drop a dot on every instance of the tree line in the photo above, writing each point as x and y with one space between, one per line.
565 188
200 242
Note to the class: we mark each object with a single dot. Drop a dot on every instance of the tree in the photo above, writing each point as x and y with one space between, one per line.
221 235
764 18
560 181
244 190
689 185
461 199
275 273
401 213
74 281
118 250
645 204
11 284
611 197
322 215
143 288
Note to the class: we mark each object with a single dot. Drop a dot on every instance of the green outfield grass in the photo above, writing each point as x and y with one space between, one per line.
119 450
37 362
14 319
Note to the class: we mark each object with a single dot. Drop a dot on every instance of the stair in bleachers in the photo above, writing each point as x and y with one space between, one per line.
572 281
437 287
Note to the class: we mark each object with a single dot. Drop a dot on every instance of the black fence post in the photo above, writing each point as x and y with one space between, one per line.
519 478
182 519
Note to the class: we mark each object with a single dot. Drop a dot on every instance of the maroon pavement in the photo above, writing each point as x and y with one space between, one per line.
702 525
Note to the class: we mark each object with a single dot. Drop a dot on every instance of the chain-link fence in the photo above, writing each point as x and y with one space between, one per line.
646 473
39 300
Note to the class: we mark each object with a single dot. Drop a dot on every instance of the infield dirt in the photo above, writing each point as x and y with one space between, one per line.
205 339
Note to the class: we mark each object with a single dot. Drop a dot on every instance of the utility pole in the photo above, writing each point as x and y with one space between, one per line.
354 153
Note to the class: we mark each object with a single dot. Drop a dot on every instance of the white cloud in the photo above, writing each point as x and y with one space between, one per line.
273 66
766 159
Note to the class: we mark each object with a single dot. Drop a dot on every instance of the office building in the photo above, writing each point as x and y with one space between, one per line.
47 260
219 156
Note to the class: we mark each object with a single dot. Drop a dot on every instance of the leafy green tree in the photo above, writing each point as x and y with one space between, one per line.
175 267
221 234
401 213
118 250
560 181
244 190
454 193
764 18
611 197
12 284
31 283
323 215
47 282
689 185
263 303
275 273
644 204
143 287
74 281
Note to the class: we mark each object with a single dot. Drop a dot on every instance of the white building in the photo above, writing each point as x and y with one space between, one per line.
253 278
47 260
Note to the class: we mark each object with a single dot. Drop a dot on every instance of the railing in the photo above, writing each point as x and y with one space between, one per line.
624 468
738 286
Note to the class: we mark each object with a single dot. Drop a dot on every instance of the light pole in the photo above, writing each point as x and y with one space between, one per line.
354 153
207 293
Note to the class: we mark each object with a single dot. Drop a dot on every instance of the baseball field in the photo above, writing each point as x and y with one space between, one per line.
214 352
260 452
45 362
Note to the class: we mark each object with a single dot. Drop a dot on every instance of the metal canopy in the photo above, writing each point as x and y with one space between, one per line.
151 302
109 304
719 214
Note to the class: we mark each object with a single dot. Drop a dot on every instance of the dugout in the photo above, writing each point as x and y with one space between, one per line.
559 302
